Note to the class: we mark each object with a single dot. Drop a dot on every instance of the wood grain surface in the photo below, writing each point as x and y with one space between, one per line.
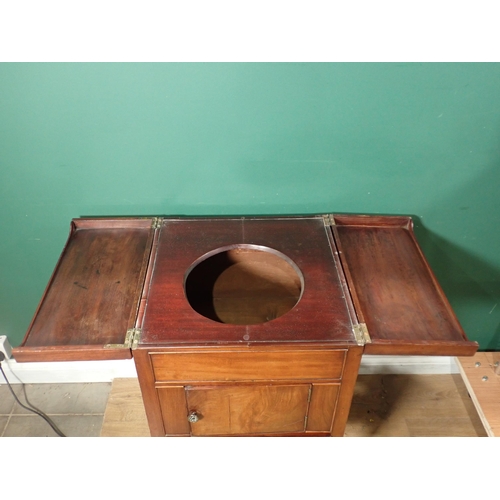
394 290
240 365
93 296
248 409
483 382
383 405
125 415
412 406
321 314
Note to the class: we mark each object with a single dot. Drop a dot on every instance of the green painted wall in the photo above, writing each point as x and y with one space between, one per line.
162 139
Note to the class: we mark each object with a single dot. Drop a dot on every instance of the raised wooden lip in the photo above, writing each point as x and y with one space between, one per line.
373 220
424 348
23 354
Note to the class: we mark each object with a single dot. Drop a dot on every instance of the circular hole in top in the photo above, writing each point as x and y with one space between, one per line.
243 285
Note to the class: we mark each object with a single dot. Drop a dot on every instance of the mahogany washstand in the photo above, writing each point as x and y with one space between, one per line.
243 325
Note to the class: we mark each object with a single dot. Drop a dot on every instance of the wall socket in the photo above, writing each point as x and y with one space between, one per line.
5 346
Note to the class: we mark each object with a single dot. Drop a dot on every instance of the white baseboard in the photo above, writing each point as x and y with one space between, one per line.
68 371
106 371
410 365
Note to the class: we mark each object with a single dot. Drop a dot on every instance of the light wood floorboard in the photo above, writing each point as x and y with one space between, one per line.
412 405
125 415
383 405
481 374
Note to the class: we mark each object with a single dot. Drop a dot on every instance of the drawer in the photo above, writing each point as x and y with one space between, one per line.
248 366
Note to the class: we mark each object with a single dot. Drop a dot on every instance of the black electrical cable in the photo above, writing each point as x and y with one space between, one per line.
32 409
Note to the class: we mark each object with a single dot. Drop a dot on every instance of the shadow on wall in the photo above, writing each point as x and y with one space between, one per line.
471 285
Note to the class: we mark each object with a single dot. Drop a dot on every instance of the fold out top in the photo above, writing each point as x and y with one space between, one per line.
394 289
123 282
93 296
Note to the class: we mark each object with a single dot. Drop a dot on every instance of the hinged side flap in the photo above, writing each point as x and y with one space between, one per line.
91 305
394 291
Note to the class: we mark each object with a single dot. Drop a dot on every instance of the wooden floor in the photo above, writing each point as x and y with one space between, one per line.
481 374
413 405
383 405
125 415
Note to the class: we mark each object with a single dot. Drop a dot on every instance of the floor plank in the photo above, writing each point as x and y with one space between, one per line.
125 415
383 405
412 405
482 379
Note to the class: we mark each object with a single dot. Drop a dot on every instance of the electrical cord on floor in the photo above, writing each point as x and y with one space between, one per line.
32 409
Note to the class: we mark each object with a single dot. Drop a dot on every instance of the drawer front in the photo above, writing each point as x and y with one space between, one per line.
248 366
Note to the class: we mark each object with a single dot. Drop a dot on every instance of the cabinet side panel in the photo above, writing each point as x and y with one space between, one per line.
350 375
149 393
322 407
174 410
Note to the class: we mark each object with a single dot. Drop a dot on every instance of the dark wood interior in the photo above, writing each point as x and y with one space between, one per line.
243 286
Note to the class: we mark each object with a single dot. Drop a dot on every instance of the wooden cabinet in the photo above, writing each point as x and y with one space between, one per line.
250 391
243 326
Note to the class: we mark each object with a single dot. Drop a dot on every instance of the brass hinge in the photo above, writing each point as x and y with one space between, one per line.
131 340
328 220
135 337
157 222
361 334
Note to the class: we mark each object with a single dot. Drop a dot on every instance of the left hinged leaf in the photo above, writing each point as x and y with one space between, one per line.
94 294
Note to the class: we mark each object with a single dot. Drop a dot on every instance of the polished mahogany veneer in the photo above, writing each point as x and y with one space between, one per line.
243 325
321 314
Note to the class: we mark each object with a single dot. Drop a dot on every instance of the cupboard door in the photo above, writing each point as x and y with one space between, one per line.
257 409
